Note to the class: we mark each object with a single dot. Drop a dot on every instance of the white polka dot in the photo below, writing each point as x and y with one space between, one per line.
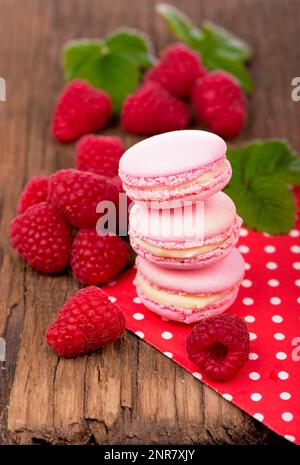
265 234
283 375
247 266
197 375
246 283
279 336
137 300
140 334
112 283
295 248
273 282
294 233
168 354
285 395
249 319
166 335
252 336
258 416
271 265
277 319
243 232
298 300
253 356
138 316
297 282
248 301
281 355
287 416
112 299
275 301
254 375
290 438
256 396
244 249
296 265
228 397
269 249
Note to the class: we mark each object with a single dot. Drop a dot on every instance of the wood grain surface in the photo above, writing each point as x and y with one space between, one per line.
129 392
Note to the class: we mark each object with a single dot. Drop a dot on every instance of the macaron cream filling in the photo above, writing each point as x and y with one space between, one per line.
203 174
203 183
228 239
184 301
177 253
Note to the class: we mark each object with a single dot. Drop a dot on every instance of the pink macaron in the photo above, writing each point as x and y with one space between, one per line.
193 295
175 166
187 237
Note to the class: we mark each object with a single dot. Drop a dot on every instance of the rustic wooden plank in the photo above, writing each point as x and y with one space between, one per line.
129 392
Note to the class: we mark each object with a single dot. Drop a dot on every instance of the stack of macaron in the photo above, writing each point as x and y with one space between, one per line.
182 227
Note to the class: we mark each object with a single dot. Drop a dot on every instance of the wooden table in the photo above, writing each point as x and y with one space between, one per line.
129 392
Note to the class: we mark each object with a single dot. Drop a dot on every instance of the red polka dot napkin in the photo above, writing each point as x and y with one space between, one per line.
268 387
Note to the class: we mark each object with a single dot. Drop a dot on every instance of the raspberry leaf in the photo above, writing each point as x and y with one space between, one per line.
260 184
113 65
133 45
223 43
218 48
180 24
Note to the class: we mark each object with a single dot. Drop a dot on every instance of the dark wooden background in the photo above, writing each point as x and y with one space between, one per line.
127 393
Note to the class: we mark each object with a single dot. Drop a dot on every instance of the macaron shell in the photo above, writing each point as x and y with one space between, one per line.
172 153
217 277
188 316
189 223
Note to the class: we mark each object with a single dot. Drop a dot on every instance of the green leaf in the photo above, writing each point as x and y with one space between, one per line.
266 205
179 24
223 43
77 54
269 157
262 172
113 65
218 48
133 45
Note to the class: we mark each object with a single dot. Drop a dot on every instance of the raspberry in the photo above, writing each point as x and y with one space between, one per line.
35 191
220 103
97 259
219 346
177 70
152 110
87 321
42 238
75 195
99 154
80 109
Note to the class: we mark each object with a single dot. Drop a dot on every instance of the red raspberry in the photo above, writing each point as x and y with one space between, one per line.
177 70
80 109
87 321
97 259
99 154
219 346
75 195
152 110
35 191
42 238
220 103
